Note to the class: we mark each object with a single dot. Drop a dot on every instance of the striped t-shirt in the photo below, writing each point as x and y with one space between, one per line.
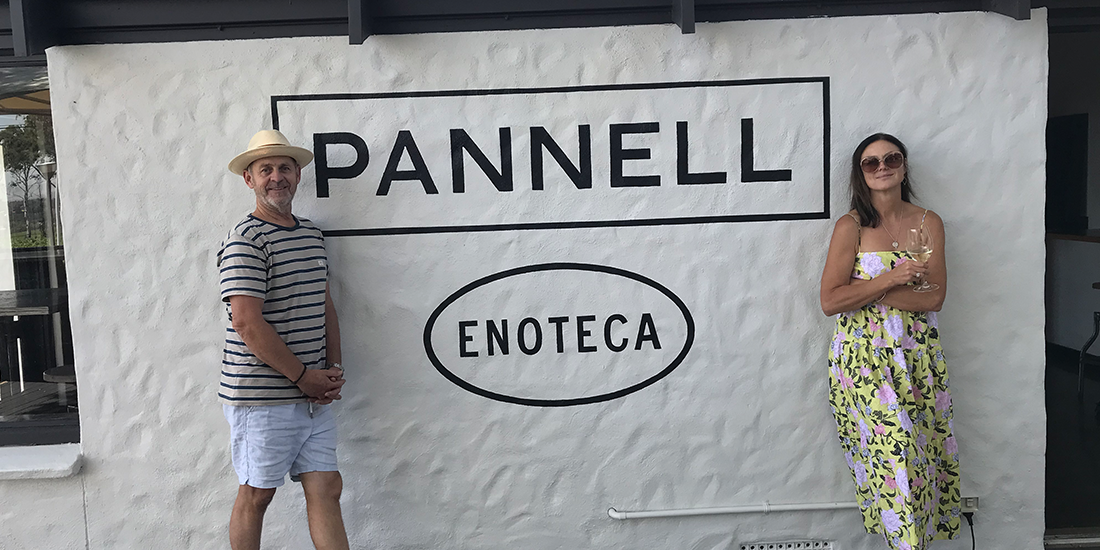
286 267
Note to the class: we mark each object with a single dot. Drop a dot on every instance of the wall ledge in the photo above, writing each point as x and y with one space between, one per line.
40 462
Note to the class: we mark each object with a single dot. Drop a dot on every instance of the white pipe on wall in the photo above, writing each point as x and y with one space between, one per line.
747 509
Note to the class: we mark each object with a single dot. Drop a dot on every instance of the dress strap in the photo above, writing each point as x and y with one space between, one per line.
922 218
859 231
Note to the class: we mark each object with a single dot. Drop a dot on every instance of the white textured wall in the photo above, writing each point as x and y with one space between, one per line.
143 135
39 513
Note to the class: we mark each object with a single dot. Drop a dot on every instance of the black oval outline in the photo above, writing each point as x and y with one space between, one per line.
557 266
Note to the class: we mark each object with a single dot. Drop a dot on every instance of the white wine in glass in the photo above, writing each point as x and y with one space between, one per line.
920 247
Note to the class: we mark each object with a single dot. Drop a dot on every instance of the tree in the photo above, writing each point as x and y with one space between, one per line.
24 146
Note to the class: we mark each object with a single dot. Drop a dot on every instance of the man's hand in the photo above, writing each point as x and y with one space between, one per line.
333 394
322 385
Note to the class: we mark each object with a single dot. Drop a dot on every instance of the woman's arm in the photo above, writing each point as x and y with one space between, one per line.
838 294
904 297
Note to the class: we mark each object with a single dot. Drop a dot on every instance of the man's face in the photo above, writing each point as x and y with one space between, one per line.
275 180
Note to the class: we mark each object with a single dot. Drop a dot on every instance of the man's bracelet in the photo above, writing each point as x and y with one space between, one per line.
304 369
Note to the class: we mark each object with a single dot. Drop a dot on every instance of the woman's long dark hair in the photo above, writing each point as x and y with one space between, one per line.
861 194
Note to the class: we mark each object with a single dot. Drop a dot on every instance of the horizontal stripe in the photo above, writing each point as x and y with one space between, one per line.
255 229
242 291
299 295
239 243
316 237
228 398
296 319
243 266
281 388
295 272
284 332
251 221
253 365
299 342
305 259
279 229
242 255
236 375
298 283
303 329
242 278
299 249
249 353
294 308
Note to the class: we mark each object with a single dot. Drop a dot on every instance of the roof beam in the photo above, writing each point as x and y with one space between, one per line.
683 14
1019 10
33 26
359 21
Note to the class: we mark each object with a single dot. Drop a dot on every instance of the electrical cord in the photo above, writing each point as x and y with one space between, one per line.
970 519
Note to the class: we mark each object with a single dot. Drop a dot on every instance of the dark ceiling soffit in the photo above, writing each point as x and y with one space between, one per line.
1019 10
683 14
33 27
359 21
39 24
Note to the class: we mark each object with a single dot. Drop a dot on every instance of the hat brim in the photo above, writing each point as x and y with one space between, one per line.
241 161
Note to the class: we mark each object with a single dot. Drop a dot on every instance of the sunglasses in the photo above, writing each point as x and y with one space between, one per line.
892 161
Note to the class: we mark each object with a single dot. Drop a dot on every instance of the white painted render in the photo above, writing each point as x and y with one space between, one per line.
143 136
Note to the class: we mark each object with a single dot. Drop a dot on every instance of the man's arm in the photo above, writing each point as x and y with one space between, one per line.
332 331
264 342
332 348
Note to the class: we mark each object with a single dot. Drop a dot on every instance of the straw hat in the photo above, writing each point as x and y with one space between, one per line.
269 143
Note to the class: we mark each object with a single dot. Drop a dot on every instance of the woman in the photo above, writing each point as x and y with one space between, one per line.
888 380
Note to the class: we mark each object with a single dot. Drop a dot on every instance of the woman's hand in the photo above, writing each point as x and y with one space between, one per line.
909 271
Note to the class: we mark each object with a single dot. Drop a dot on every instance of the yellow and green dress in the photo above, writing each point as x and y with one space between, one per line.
890 398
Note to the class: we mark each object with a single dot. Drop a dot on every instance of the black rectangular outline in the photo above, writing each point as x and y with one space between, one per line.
824 214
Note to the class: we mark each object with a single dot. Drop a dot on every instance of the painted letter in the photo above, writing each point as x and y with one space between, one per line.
607 333
749 174
324 171
522 340
463 338
541 140
618 154
583 333
647 331
460 141
558 321
683 176
499 336
419 172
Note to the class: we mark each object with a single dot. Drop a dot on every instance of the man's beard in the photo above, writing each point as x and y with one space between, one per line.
280 207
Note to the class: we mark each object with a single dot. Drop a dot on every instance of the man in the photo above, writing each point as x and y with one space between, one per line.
281 362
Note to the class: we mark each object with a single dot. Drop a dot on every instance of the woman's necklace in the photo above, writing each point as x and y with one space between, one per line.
895 239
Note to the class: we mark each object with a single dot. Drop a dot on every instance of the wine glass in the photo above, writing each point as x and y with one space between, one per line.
920 247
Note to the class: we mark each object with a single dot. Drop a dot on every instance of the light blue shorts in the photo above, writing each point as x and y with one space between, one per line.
268 442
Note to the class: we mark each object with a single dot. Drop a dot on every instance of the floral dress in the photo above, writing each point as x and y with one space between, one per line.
890 399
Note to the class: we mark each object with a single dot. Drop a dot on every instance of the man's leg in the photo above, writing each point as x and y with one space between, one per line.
326 524
248 517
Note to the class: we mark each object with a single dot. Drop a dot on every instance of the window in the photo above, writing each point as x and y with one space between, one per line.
37 380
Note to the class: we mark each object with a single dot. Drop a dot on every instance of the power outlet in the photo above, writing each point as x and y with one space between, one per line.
969 504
